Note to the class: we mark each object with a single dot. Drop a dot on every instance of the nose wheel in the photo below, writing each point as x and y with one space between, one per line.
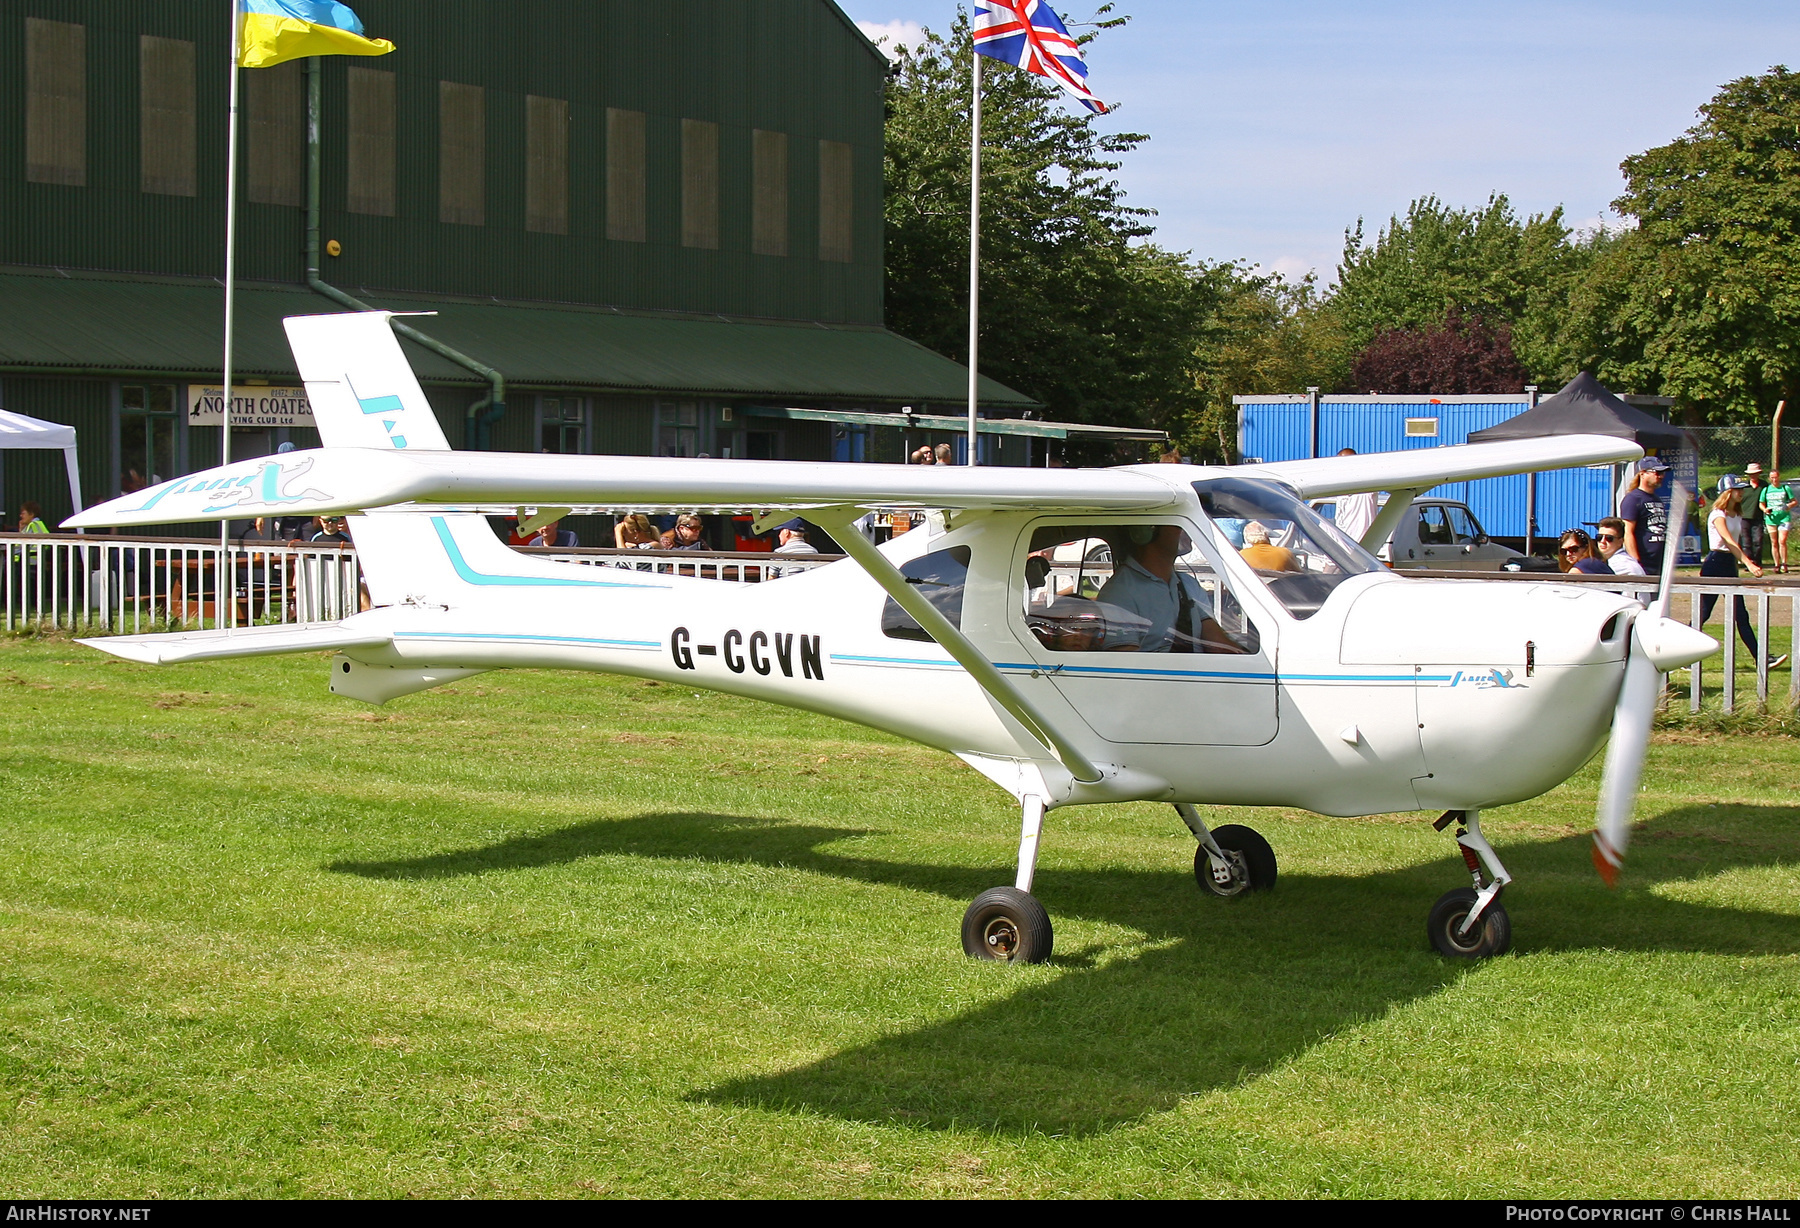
1469 923
1249 863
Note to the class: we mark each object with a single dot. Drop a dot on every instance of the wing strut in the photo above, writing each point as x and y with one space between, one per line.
840 523
1388 518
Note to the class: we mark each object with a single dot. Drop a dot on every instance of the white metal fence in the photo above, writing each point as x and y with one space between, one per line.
129 584
122 585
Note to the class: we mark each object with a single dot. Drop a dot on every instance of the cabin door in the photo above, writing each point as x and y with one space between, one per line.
1141 657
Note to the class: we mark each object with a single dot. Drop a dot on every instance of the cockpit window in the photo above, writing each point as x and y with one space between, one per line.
1129 588
1300 557
941 577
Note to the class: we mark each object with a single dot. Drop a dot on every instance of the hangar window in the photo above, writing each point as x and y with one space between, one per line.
769 205
625 175
836 229
146 434
166 116
275 142
371 144
55 102
940 578
562 421
546 165
699 183
462 154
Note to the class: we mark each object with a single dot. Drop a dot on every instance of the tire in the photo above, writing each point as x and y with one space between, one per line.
1491 936
1008 926
1252 862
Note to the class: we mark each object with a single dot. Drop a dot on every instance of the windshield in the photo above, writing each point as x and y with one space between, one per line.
1300 557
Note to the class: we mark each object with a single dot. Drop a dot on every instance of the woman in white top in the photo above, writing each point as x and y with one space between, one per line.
1724 531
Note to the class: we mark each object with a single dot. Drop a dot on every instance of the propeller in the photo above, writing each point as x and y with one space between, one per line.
1657 645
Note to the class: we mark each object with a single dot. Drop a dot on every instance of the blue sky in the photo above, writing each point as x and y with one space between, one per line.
1274 125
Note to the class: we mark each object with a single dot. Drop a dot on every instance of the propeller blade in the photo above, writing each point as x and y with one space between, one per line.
1625 752
1678 506
1658 644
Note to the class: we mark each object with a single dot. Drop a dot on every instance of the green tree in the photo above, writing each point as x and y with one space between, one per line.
1266 334
1077 309
1482 264
1702 300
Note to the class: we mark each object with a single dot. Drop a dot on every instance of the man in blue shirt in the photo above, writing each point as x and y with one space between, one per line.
1150 586
1646 517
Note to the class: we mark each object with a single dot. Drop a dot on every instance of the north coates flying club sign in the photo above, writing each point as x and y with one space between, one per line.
252 405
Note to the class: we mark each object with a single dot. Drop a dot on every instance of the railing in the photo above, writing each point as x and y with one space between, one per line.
129 584
122 585
1685 605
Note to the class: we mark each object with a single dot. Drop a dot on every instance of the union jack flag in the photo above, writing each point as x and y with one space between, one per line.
1029 35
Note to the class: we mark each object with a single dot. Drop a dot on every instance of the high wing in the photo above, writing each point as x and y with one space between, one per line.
335 480
1422 468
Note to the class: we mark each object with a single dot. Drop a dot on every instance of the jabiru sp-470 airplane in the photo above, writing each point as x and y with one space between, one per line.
1187 634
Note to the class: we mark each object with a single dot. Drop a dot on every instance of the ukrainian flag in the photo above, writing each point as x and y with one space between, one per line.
275 31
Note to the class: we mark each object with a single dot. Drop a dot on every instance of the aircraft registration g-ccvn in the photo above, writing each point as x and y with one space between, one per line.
1158 632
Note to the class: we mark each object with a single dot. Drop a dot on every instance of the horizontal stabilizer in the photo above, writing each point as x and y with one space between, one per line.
337 480
1423 468
178 646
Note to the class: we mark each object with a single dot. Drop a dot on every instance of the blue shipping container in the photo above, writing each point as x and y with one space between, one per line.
1274 428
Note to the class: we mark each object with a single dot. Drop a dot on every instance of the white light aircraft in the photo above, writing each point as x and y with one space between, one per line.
1158 632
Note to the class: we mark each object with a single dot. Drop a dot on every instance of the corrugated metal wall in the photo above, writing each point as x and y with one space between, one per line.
1278 428
793 66
39 474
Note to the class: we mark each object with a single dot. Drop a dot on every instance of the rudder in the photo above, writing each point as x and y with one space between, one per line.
363 391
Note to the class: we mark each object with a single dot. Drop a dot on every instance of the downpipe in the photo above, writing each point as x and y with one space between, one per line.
484 413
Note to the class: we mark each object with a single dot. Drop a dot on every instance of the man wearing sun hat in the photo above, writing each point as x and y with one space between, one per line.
1754 531
1646 517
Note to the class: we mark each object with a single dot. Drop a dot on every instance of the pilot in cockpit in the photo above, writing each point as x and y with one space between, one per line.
1151 586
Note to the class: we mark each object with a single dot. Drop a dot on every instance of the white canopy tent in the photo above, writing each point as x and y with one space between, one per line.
18 431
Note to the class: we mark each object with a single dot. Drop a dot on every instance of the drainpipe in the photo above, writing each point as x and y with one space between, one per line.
491 407
1312 421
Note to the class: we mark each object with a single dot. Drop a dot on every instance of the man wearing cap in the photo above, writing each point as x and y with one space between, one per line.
1753 513
1646 518
793 541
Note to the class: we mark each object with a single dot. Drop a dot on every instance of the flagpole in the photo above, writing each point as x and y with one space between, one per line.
225 607
974 239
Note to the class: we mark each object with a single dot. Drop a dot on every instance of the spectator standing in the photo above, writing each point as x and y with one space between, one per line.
1611 544
1575 552
688 534
1725 551
1753 511
923 455
1777 502
1645 516
1356 513
31 518
945 455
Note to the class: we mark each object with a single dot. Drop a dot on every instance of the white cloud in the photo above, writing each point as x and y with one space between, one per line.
889 35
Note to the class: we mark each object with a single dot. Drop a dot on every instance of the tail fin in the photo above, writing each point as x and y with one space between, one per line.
363 391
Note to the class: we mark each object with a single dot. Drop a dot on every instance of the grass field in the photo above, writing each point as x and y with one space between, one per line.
540 934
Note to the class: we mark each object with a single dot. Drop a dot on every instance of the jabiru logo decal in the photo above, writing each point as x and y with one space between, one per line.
387 408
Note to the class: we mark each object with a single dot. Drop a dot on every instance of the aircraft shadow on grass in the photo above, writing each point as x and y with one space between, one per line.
1223 990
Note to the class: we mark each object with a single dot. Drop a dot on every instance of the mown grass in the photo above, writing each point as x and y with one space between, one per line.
542 934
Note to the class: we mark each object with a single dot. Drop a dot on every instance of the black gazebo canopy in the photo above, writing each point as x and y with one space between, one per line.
1585 407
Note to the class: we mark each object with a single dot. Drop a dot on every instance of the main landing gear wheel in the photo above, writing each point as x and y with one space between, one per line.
1252 862
1007 925
1490 935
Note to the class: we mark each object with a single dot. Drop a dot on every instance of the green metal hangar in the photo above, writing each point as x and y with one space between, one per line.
646 229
